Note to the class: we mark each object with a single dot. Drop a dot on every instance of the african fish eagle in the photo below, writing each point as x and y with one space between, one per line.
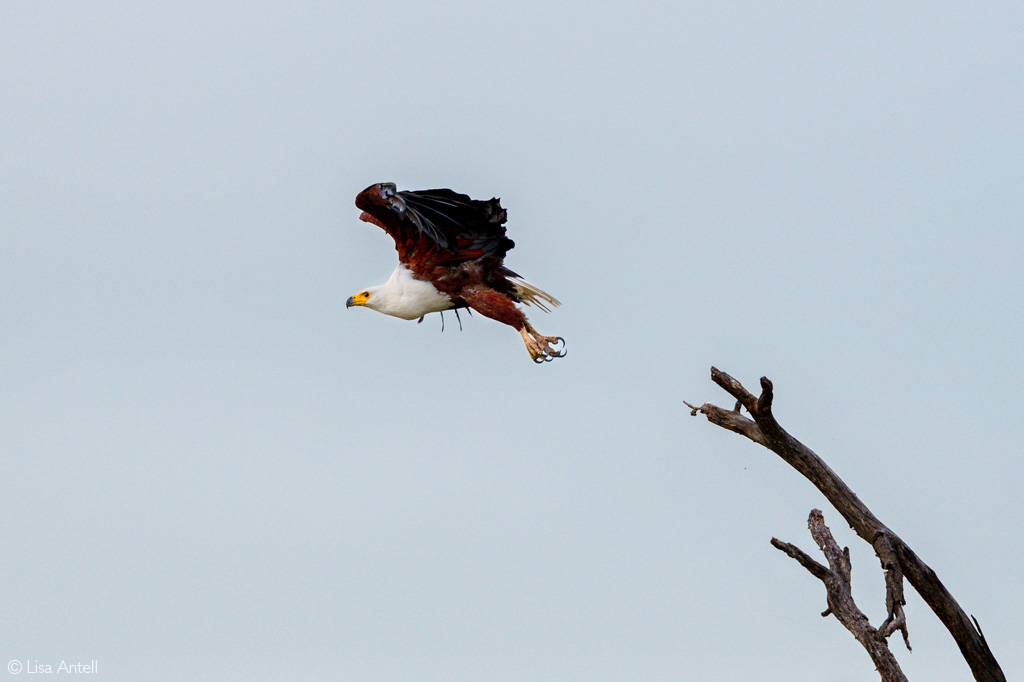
450 254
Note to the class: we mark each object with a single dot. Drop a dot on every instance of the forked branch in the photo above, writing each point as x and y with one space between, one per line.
896 557
839 595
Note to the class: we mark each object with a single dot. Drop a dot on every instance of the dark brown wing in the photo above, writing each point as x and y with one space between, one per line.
437 225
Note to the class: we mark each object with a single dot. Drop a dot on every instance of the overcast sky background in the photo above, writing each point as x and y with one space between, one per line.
212 470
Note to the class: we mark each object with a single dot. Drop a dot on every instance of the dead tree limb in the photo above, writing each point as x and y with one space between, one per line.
839 594
896 556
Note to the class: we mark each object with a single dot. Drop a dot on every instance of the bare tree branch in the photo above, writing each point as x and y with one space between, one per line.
897 559
730 419
837 580
894 601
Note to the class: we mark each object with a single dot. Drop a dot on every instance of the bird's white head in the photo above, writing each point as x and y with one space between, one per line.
369 297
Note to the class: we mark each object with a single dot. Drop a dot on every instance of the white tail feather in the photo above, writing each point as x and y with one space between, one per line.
530 295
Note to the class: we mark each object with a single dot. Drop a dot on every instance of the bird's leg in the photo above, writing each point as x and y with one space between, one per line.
541 348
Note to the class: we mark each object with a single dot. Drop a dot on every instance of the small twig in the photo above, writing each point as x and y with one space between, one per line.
729 419
816 569
735 389
764 402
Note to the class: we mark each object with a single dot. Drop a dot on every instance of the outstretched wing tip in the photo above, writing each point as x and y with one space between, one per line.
452 222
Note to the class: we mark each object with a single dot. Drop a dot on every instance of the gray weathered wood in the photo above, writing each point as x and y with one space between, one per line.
896 556
839 594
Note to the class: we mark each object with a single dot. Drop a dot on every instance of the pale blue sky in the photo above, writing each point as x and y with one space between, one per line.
215 471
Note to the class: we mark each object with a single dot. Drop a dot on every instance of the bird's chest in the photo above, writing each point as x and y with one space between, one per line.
417 298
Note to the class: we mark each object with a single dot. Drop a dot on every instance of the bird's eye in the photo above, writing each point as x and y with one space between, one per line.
365 294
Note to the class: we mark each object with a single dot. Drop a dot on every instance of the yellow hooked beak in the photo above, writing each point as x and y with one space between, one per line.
358 299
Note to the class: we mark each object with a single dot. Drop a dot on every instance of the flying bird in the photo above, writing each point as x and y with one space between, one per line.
451 251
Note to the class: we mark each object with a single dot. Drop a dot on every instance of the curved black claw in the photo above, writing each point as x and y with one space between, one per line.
549 353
